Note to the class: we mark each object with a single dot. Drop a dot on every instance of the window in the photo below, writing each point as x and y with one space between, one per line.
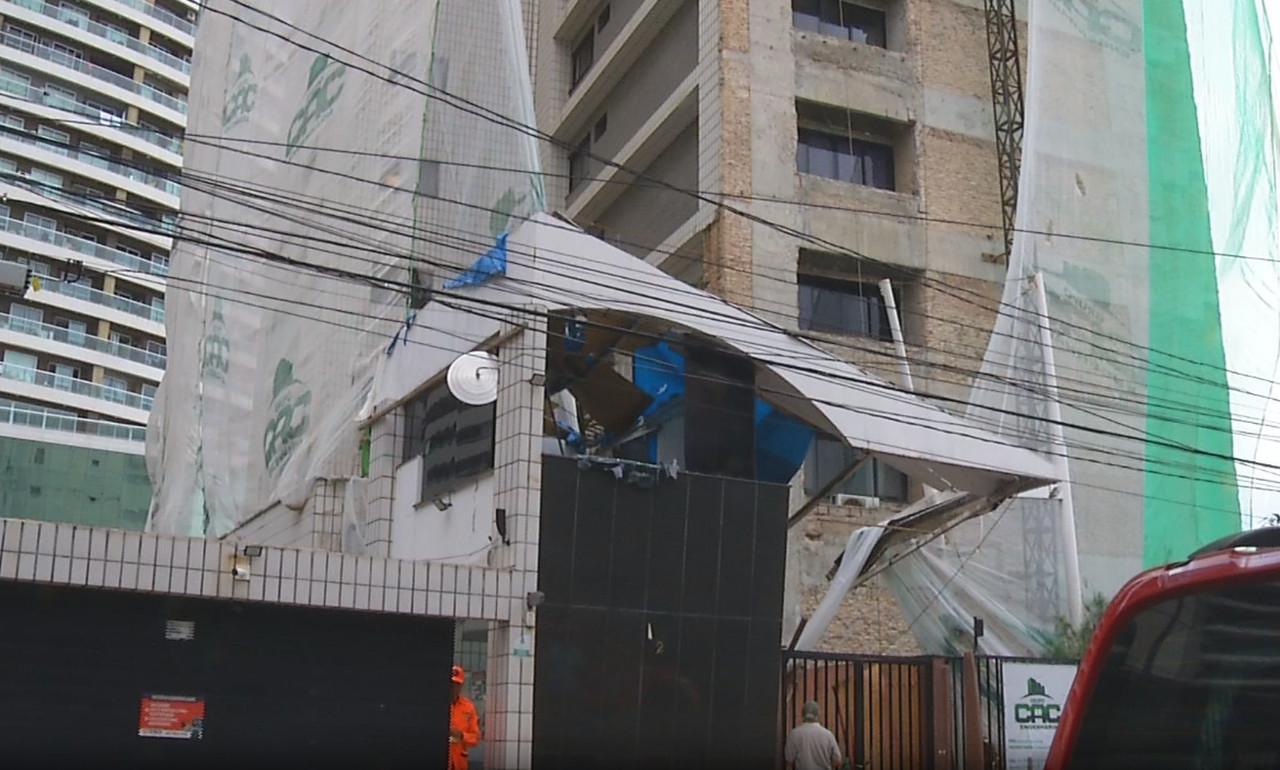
46 180
602 125
603 18
156 352
74 16
454 440
76 331
59 97
20 366
64 375
829 457
26 319
1189 682
14 83
842 307
33 219
22 39
837 18
584 55
67 55
8 166
95 155
838 144
579 161
56 141
117 34
13 121
115 388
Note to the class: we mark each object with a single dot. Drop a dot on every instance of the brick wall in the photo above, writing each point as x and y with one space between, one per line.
869 620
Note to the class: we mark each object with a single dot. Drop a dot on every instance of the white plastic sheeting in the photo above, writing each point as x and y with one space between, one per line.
271 363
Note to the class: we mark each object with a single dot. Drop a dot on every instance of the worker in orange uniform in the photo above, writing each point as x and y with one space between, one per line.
464 724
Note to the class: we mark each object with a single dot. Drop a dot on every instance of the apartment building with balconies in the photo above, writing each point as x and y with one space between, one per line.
92 112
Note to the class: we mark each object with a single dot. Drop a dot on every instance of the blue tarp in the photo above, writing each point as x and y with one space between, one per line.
781 444
494 262
781 441
659 373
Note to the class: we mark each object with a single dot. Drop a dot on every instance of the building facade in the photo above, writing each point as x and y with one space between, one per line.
864 125
92 111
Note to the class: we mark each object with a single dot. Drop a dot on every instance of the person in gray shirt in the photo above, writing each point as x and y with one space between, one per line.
810 746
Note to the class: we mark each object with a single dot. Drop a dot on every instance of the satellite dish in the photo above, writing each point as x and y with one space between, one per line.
473 378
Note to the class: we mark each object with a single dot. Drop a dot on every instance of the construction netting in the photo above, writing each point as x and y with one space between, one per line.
1145 251
303 147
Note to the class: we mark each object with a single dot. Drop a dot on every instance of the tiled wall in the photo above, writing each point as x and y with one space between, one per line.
518 490
107 558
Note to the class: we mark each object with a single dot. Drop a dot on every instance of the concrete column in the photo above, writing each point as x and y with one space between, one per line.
517 492
727 262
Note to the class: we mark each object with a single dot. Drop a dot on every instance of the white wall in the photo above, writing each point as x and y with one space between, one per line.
459 535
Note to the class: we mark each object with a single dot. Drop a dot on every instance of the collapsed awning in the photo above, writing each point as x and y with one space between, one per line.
571 269
558 267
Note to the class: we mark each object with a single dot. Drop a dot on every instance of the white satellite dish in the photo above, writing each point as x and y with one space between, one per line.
473 378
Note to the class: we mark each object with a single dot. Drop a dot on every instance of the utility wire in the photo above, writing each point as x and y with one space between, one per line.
1184 448
401 79
1140 367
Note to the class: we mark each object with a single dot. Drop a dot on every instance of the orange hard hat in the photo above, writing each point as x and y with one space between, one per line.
457 676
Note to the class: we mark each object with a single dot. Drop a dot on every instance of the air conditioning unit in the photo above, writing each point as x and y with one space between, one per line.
862 501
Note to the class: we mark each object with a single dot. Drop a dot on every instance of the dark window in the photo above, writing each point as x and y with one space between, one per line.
603 18
1190 682
830 457
836 18
584 55
845 158
455 440
602 125
578 160
842 307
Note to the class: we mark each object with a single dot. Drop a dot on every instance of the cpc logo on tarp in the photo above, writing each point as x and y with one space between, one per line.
290 416
1037 709
324 86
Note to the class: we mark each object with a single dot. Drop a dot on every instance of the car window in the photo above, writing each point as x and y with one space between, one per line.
1191 682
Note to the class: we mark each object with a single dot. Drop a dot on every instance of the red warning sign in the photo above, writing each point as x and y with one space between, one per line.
171 716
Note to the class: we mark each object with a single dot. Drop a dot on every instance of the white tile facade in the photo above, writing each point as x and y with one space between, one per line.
322 576
95 557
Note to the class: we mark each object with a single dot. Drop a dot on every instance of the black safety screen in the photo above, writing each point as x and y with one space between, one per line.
279 686
658 640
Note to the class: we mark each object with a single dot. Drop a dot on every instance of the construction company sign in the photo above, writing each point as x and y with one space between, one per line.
1033 698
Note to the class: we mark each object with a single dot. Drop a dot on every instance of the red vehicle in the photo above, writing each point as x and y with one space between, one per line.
1184 668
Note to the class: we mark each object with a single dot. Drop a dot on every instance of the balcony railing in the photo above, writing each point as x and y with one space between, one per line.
80 21
82 246
81 339
173 20
72 385
33 416
49 53
98 297
94 159
30 93
163 225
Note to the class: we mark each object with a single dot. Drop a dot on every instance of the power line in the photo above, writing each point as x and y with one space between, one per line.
402 79
349 276
1141 366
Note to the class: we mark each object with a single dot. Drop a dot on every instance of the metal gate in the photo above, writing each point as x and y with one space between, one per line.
879 708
